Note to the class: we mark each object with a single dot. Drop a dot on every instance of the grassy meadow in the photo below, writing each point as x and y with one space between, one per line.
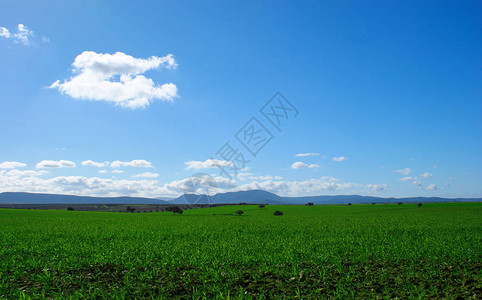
358 251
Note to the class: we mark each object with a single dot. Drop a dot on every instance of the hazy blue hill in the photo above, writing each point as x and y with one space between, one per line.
250 197
33 198
253 196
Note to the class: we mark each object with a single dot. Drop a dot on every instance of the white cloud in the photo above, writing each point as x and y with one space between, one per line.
116 78
307 154
432 187
408 178
4 32
208 164
376 187
137 163
21 173
95 164
405 171
103 171
33 181
426 175
22 35
11 165
55 164
79 185
199 185
146 175
117 171
299 165
340 158
315 186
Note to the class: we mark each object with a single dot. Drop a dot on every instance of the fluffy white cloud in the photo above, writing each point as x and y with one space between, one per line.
137 163
307 154
117 171
201 184
33 181
95 164
55 164
315 186
299 165
432 187
208 164
408 178
103 171
146 175
11 165
405 171
116 78
426 175
340 158
21 36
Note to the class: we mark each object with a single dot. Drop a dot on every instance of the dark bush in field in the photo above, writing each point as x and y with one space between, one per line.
175 209
240 212
400 203
70 208
130 209
261 206
349 204
278 213
373 203
419 205
310 204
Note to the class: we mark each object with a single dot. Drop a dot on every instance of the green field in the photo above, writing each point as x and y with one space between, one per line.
359 251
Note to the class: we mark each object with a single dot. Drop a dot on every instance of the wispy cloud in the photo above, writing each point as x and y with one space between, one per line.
146 175
299 165
45 164
340 158
11 165
405 171
137 163
426 175
208 164
306 154
21 36
95 164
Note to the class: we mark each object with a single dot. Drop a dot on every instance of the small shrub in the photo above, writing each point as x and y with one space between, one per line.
70 208
400 203
278 213
419 205
240 212
261 206
175 209
130 209
349 204
310 204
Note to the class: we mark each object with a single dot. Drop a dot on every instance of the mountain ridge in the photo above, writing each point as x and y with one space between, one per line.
249 197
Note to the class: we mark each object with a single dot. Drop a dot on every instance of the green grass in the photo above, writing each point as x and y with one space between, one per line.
359 251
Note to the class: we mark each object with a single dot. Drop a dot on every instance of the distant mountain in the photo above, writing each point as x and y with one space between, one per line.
252 196
263 197
32 198
249 197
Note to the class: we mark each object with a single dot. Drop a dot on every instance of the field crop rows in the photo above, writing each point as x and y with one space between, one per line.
359 251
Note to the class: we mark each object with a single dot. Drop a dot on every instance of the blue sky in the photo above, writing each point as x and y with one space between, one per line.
126 98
